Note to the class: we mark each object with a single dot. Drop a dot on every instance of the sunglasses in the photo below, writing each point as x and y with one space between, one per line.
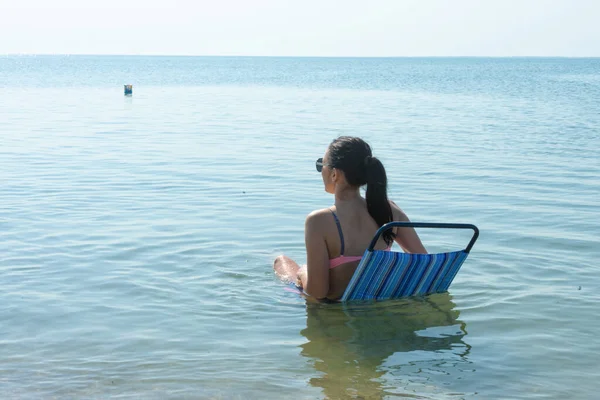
319 164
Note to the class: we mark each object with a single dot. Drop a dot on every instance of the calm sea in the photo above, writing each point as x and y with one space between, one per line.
137 234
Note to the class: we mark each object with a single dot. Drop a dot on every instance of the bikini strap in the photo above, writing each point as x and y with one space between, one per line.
339 227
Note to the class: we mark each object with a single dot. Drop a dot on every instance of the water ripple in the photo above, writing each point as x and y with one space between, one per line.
137 234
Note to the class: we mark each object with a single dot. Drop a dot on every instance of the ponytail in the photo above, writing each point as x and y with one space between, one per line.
378 204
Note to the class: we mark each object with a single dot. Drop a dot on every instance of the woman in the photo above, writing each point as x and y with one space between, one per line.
337 237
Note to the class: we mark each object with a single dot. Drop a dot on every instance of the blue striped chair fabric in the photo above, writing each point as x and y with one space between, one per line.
383 275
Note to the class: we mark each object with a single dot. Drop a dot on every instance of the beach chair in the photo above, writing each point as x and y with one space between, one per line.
385 274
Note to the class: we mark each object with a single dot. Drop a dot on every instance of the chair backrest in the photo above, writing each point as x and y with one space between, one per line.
383 275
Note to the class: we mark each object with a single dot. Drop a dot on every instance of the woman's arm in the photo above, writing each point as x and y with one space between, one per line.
315 280
407 238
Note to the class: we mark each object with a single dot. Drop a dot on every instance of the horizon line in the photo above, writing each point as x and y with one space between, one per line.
276 56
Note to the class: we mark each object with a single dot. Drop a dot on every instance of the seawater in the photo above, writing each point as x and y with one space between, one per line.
137 233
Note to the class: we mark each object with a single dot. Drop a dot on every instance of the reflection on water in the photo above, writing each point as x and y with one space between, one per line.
372 351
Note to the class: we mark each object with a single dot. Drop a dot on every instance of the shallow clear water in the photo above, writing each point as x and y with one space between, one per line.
137 234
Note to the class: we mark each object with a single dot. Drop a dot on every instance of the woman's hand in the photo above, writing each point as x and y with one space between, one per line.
301 277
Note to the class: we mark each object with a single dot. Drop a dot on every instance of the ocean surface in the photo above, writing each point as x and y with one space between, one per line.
137 234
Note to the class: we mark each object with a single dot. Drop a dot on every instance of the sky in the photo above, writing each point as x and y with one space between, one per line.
337 28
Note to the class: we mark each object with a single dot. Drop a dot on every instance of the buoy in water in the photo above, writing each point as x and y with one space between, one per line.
128 90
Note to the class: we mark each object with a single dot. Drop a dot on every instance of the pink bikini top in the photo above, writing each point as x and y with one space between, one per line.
335 262
342 259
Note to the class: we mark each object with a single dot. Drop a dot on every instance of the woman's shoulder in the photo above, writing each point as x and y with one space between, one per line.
318 218
397 212
319 214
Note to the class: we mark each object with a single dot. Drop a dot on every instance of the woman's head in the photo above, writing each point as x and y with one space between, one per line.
350 155
349 161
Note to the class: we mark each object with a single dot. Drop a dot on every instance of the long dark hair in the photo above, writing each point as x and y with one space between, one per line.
353 156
